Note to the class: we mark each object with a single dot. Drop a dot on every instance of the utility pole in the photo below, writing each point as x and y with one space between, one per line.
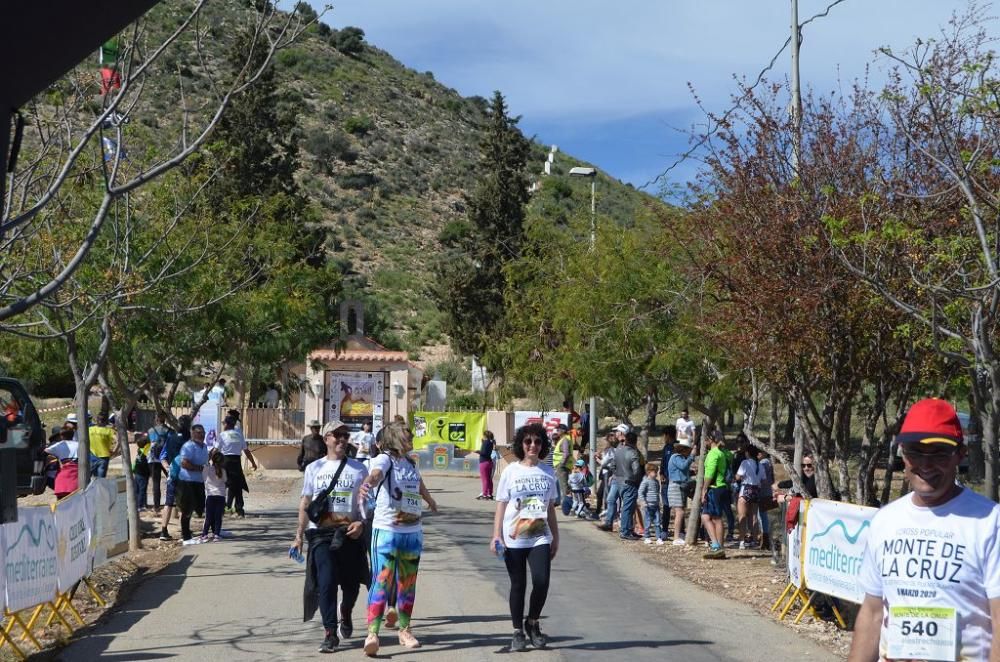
796 103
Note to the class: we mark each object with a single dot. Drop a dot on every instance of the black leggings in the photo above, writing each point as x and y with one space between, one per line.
155 473
518 561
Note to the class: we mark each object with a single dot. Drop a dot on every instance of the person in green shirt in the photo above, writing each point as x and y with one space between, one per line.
714 495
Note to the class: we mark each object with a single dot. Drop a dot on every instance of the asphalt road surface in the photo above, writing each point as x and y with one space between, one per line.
242 600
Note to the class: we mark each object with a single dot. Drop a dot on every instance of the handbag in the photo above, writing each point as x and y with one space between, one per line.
768 503
320 505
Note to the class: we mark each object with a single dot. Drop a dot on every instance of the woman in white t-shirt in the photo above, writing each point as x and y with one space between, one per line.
525 530
749 476
336 551
397 533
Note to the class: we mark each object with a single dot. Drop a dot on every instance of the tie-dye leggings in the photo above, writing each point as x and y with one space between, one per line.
394 558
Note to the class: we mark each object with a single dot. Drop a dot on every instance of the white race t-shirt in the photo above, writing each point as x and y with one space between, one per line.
363 440
685 429
231 442
528 491
214 485
749 472
398 504
946 558
343 500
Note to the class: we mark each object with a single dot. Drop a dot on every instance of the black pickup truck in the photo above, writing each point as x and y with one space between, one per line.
21 429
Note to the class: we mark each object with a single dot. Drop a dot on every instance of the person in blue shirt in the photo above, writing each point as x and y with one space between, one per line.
191 481
170 448
679 473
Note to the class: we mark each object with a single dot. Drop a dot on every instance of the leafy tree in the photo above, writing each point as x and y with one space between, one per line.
349 40
471 290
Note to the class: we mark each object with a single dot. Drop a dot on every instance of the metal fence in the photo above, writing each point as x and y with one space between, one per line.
258 422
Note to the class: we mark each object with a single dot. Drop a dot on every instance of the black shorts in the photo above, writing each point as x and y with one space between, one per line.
191 497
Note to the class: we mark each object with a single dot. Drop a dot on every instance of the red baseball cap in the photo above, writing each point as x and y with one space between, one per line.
931 421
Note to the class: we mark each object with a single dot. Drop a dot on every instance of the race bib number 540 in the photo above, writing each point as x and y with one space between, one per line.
923 633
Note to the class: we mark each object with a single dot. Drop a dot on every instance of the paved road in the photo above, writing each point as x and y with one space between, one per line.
241 600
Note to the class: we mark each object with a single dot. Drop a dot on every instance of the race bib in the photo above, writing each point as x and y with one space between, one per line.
923 633
340 502
410 503
533 507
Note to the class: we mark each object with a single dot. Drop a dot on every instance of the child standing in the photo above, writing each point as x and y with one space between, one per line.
578 485
649 494
215 495
140 470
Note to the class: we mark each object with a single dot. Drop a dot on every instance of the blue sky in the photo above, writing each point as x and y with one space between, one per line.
608 82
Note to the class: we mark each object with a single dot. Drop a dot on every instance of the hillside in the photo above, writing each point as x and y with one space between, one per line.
387 155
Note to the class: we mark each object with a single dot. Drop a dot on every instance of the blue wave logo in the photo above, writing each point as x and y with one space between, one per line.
36 538
843 527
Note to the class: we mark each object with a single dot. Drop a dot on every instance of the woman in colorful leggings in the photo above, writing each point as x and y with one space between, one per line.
397 533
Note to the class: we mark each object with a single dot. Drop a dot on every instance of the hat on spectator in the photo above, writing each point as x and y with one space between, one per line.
581 463
931 421
71 418
562 426
624 428
686 443
333 426
314 423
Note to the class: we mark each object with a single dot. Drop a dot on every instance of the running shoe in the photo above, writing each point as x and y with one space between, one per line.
407 640
391 616
346 625
371 644
519 642
605 527
534 632
647 541
715 552
164 536
679 541
225 533
660 541
743 544
330 643
480 497
192 541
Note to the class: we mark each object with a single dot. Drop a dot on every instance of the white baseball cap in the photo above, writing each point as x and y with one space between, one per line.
624 428
686 443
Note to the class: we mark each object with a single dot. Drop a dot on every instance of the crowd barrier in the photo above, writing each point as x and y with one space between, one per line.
825 550
50 551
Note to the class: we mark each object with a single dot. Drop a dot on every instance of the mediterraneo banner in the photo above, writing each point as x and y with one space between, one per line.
835 539
31 567
463 429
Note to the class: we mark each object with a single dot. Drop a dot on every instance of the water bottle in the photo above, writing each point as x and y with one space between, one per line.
499 549
296 555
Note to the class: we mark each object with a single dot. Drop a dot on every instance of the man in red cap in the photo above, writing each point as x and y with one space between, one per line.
931 570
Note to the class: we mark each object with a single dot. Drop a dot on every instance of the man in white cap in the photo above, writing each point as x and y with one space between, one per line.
931 568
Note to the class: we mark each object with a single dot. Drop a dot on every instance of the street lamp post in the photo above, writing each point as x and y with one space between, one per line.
580 171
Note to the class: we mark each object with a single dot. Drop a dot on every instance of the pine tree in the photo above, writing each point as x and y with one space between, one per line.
472 282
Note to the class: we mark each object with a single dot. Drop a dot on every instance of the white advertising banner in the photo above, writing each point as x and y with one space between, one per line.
105 496
31 566
73 527
3 575
835 539
550 419
208 417
794 556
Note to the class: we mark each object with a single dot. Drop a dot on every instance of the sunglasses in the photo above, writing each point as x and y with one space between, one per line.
913 455
807 466
341 435
532 441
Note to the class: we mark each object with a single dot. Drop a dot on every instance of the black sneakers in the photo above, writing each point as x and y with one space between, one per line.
346 626
164 536
538 640
330 643
519 642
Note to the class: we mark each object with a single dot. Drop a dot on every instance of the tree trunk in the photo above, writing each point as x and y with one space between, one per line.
773 427
694 517
799 436
131 498
791 424
977 459
652 405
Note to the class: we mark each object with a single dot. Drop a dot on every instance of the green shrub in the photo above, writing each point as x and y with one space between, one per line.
349 40
466 401
327 147
357 180
359 126
454 231
453 372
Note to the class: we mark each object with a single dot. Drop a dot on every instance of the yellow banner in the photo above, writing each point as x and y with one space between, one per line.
464 429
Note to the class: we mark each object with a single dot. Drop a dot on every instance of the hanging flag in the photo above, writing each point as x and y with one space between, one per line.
110 80
111 149
108 54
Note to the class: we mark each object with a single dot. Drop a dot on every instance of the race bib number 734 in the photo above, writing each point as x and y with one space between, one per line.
923 633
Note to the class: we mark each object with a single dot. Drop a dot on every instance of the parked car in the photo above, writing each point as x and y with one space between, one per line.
969 432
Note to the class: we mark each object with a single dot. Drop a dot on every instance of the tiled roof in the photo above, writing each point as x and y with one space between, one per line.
379 355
